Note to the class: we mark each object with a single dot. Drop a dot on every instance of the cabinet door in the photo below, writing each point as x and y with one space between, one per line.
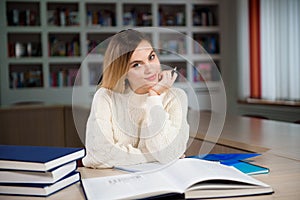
32 126
75 124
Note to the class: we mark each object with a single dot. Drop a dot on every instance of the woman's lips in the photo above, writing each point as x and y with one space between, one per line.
151 78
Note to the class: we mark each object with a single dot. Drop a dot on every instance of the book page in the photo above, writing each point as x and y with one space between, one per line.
128 186
144 167
188 171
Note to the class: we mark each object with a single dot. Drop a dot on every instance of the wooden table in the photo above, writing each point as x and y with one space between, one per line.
277 141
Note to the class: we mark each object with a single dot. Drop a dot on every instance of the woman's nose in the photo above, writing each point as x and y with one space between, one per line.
147 67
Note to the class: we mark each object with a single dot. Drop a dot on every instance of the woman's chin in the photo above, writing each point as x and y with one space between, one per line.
152 83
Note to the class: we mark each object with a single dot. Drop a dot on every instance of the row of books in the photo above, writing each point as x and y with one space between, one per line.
16 17
171 19
101 18
62 17
67 17
31 78
172 46
37 170
67 76
23 49
203 72
64 48
64 77
137 18
209 43
203 17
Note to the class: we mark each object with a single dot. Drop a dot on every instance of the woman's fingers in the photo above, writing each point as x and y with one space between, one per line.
166 80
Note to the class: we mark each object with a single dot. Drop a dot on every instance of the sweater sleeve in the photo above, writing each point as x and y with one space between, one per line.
166 130
102 150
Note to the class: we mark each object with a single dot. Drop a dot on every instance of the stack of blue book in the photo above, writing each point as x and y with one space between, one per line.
37 170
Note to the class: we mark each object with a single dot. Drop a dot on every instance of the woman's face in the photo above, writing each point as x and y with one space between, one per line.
144 68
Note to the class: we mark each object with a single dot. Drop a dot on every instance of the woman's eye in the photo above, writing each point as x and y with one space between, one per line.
136 65
151 57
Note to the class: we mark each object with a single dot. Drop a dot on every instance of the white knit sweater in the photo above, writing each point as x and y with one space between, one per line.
125 129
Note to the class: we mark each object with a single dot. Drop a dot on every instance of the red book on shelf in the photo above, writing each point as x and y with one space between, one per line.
202 72
72 76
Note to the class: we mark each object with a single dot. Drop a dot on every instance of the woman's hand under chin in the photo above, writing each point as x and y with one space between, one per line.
166 80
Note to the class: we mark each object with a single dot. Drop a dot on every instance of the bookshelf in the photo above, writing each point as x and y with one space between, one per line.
50 42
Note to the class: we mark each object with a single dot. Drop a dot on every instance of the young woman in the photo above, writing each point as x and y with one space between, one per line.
136 115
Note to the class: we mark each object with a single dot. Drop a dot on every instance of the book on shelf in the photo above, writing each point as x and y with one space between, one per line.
35 189
74 77
59 47
65 77
195 178
203 17
17 17
28 78
24 49
37 158
172 46
202 72
62 17
170 17
34 177
209 43
101 17
137 18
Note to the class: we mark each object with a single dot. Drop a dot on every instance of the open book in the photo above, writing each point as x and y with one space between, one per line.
192 177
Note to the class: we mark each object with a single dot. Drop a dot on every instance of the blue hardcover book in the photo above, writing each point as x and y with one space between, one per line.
39 189
249 168
226 157
37 158
47 177
236 160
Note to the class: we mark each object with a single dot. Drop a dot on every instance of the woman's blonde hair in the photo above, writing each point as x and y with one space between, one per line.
116 58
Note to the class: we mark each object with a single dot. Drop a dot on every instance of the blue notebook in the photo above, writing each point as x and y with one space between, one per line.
237 160
249 168
227 157
48 177
39 189
37 158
